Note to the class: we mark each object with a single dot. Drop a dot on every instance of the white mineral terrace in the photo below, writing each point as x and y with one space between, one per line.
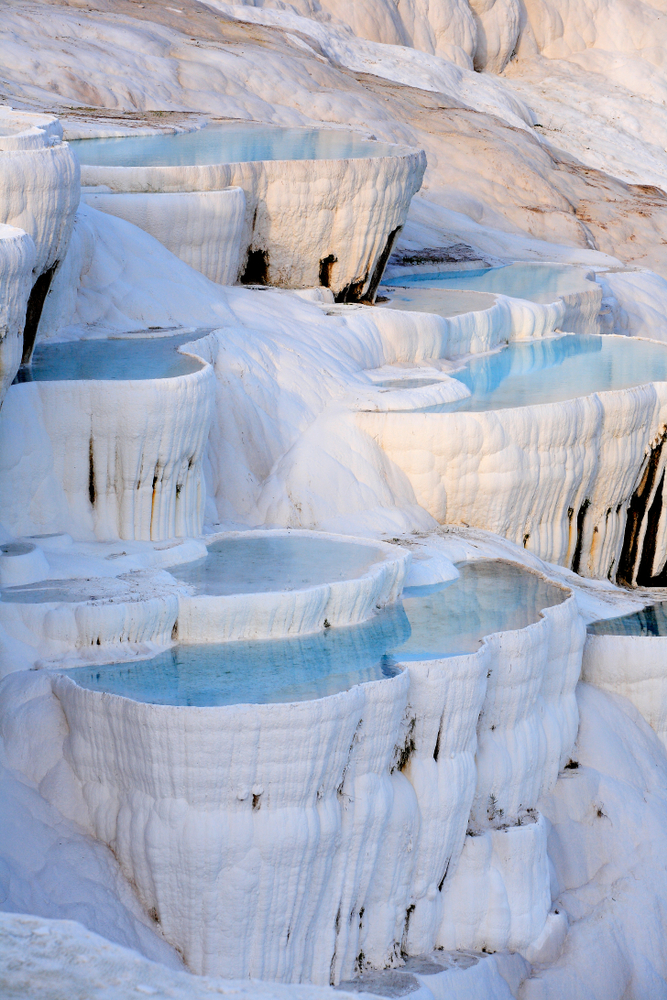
382 767
579 421
350 196
333 523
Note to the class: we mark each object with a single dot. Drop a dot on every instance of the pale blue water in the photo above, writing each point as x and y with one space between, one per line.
407 383
428 623
110 360
549 371
260 563
536 282
649 621
233 143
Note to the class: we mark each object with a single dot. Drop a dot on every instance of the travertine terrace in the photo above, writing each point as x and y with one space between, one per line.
333 525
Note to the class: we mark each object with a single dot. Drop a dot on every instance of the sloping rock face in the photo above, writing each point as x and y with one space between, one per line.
204 228
307 222
39 193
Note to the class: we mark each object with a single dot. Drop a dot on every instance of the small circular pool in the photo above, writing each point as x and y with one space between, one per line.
228 143
542 283
527 373
428 623
115 359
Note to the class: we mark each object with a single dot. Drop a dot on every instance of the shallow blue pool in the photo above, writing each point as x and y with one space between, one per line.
260 563
549 371
124 358
536 282
649 621
428 623
230 143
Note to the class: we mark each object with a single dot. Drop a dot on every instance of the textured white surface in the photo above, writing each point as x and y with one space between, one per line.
526 473
119 620
21 563
17 259
272 615
204 228
57 959
634 667
296 812
346 209
107 459
39 183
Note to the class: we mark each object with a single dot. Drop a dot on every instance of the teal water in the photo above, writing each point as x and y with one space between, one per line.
428 623
549 371
230 143
541 283
649 621
110 360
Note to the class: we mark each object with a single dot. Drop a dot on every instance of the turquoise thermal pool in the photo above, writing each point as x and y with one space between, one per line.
428 623
549 371
263 563
122 358
650 621
541 283
230 143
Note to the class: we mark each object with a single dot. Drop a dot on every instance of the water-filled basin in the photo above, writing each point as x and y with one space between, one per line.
650 621
541 283
428 623
265 563
229 143
122 358
441 301
549 371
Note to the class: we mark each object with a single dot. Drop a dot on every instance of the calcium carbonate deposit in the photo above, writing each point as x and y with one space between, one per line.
333 513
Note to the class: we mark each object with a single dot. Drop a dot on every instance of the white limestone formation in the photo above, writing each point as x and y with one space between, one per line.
349 212
39 193
272 615
634 667
17 259
107 459
287 819
452 806
204 228
98 619
563 479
